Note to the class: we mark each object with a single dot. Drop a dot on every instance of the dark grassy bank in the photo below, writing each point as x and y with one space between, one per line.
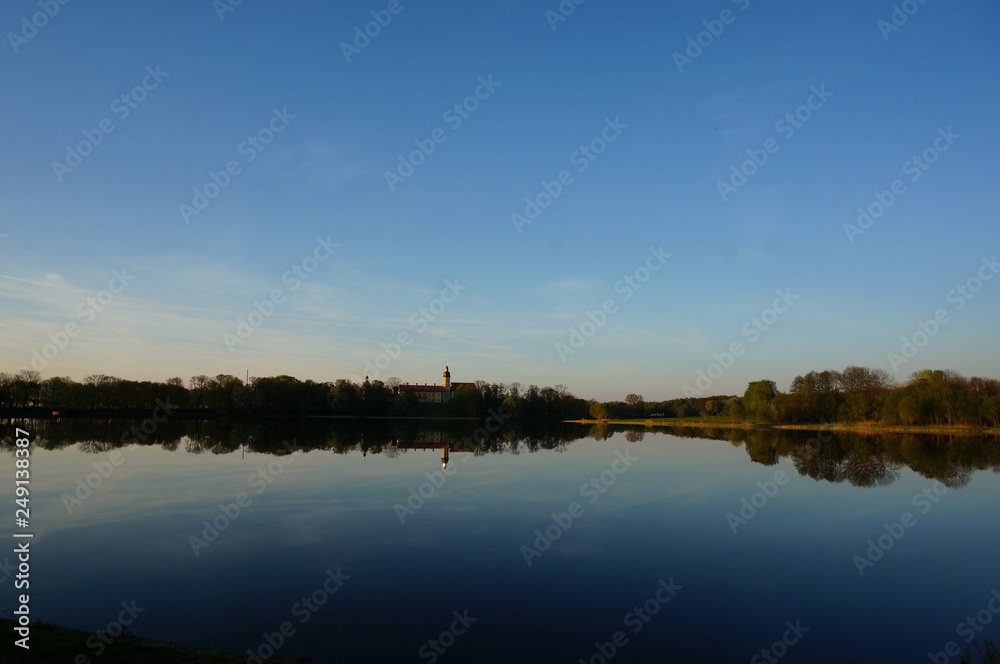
61 645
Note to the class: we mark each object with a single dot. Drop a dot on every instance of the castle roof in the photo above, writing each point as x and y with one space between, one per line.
431 388
422 388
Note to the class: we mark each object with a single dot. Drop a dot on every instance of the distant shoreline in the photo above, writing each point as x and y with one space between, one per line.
674 422
205 414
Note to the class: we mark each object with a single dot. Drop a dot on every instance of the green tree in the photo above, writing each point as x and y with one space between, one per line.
909 410
733 409
864 391
757 399
598 411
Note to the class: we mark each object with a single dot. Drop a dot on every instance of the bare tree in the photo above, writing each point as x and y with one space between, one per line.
199 383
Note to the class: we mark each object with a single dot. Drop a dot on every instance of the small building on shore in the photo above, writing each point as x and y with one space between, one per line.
432 393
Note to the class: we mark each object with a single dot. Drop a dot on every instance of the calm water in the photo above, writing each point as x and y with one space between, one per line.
645 545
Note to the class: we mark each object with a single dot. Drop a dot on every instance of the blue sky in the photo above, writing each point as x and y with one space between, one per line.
887 96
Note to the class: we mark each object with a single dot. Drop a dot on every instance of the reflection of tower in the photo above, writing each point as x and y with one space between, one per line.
444 456
446 378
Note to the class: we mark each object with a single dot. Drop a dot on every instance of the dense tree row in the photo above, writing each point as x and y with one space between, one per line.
225 394
856 394
26 389
635 406
931 397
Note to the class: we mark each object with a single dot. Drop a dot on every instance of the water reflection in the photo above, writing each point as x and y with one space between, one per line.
129 535
864 459
860 459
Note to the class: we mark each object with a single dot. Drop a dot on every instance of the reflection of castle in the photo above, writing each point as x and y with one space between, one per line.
429 440
432 393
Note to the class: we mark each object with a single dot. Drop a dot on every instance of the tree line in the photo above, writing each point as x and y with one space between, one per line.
856 394
27 393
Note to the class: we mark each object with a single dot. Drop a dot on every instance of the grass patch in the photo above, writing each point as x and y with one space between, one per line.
51 643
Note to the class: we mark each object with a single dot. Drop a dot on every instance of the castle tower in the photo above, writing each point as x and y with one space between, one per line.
446 378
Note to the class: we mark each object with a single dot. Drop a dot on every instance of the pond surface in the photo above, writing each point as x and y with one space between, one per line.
583 544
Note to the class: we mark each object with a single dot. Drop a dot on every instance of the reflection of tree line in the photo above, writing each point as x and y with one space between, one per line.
222 436
865 460
861 459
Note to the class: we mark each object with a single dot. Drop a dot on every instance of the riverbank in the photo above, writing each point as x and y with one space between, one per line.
851 427
51 643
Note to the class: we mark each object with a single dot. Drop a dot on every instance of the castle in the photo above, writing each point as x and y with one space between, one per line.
432 393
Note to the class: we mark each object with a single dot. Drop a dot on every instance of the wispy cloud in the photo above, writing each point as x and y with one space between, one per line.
317 164
570 286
